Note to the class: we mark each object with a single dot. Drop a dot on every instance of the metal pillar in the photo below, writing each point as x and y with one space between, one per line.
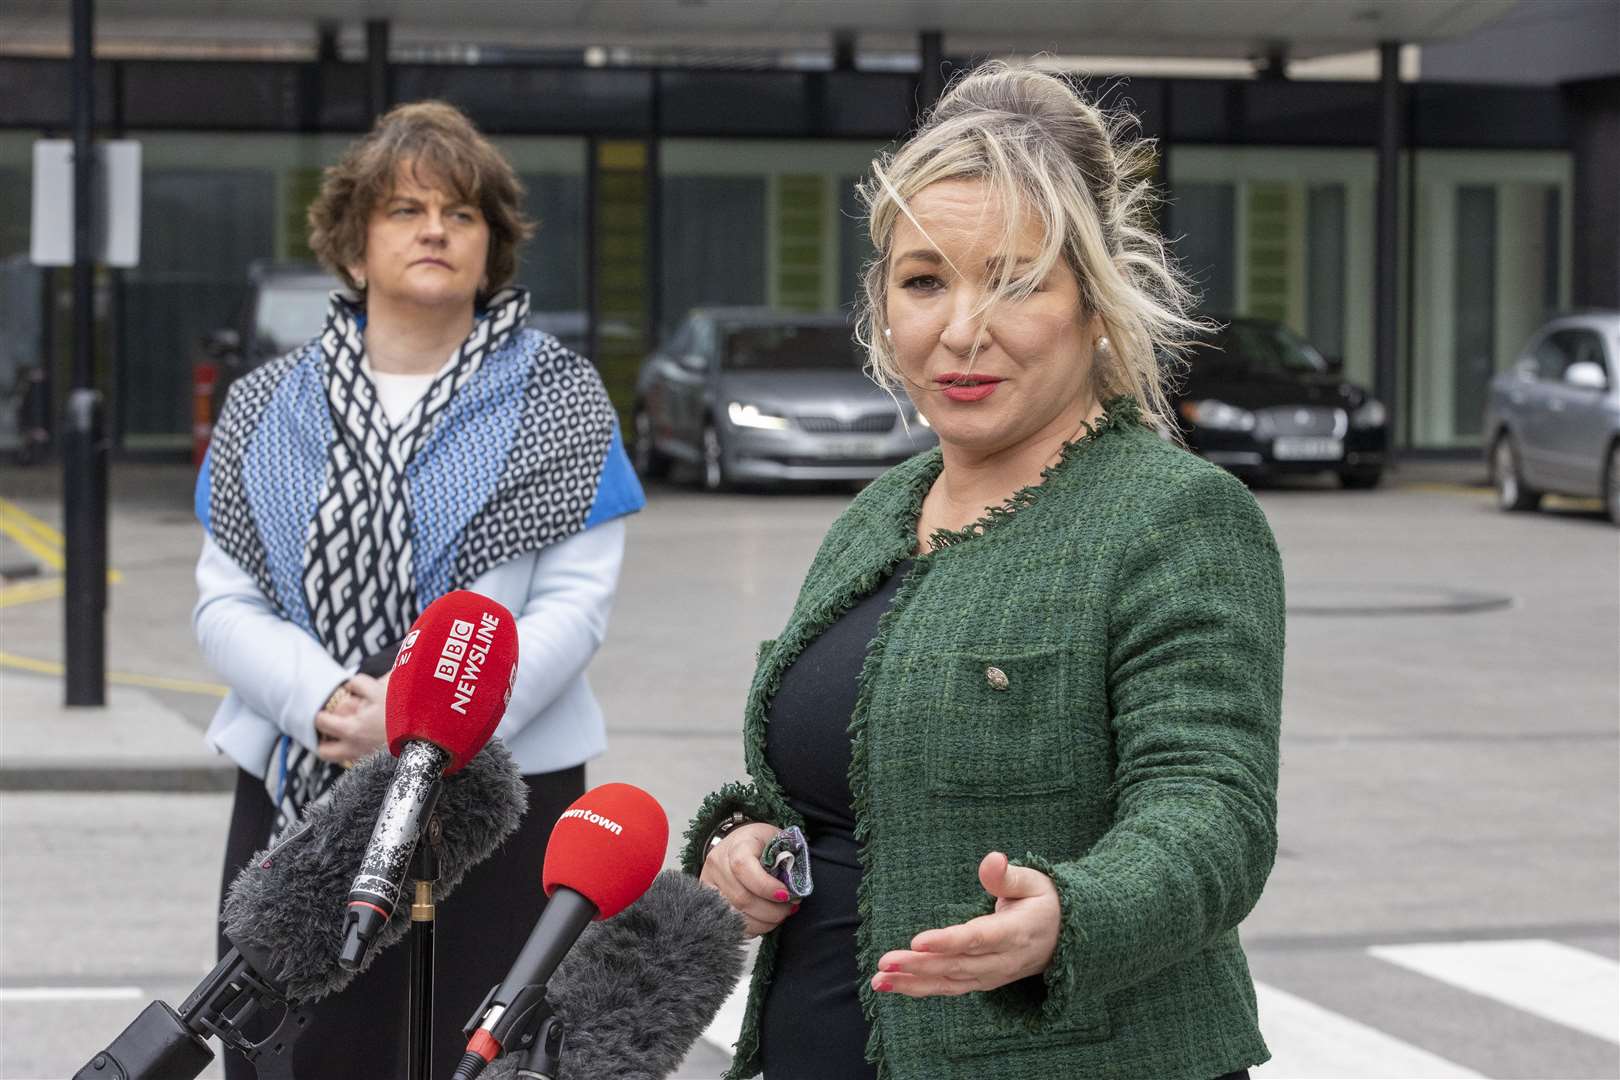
843 50
379 94
1386 271
84 450
930 70
326 41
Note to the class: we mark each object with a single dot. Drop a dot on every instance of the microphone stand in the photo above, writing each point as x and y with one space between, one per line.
419 1028
167 1044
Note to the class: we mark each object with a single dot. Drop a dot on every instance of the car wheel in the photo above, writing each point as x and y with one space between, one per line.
713 473
1512 493
1360 479
648 461
1611 484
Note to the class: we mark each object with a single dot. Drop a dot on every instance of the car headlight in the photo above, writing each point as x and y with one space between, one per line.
1371 414
749 416
1218 415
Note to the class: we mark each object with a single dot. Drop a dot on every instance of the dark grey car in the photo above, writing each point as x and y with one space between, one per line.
285 306
1553 421
753 395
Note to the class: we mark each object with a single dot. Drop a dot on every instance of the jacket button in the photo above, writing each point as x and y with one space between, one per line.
996 678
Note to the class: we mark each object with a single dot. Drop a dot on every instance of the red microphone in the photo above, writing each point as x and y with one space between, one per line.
603 854
447 692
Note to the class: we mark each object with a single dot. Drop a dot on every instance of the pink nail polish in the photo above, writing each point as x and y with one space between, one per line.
794 910
781 894
885 986
891 966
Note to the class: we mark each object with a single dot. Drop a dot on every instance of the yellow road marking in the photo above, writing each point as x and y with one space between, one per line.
38 526
32 535
28 592
43 542
120 678
1446 489
1550 501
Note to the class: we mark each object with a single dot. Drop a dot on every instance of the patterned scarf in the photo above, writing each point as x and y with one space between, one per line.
363 524
351 525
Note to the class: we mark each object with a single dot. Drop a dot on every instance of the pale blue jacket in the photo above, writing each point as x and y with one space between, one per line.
280 676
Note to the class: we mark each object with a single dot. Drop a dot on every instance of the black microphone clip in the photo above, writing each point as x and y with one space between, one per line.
529 1032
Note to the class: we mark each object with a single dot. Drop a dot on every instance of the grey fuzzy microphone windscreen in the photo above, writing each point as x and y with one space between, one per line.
288 903
637 990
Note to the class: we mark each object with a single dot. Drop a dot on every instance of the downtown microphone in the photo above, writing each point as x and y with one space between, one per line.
604 851
283 917
639 989
448 690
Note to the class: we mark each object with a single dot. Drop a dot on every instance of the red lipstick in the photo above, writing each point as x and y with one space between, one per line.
966 387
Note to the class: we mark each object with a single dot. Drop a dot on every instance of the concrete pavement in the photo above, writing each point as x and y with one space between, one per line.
1450 773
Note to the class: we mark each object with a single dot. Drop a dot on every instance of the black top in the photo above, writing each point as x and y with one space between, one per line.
811 1026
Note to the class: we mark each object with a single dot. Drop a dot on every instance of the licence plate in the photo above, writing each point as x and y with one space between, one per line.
1301 448
854 448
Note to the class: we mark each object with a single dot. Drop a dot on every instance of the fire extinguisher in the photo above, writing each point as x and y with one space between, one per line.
204 376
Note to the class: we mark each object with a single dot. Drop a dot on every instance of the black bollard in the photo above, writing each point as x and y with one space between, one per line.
84 513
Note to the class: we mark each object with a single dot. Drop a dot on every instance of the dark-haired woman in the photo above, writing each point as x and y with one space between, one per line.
425 441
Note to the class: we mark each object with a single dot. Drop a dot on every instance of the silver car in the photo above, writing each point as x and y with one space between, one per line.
758 396
1552 423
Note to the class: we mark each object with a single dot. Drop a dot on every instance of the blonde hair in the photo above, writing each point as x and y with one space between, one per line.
438 139
1050 156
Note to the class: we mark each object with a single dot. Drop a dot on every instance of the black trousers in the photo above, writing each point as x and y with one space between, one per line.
360 1033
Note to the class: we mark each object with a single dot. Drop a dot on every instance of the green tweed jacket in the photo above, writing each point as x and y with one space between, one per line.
1133 604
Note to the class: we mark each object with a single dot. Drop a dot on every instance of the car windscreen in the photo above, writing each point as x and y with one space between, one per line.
789 348
1263 347
289 315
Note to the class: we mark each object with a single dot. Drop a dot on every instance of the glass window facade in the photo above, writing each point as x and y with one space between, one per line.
772 222
1281 233
1491 262
637 231
22 285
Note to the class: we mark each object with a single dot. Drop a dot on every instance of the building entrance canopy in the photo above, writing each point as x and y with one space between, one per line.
1162 28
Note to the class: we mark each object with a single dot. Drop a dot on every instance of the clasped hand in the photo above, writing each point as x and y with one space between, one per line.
1013 942
353 728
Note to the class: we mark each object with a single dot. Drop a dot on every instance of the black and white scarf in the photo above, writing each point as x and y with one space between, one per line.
357 576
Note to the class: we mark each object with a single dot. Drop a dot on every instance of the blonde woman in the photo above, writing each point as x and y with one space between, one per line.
1026 706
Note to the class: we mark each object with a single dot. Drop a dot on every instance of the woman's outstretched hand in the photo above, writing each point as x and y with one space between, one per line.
733 869
1011 943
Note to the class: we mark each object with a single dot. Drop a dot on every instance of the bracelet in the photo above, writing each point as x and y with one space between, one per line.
338 697
726 827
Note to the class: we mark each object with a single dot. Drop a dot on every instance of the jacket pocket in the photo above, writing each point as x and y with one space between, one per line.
971 1027
997 723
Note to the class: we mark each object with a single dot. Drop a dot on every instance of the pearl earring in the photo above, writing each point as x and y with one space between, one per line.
1103 344
887 332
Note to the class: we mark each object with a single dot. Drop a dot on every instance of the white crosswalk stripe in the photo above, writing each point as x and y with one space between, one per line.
69 993
1309 1042
1556 982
